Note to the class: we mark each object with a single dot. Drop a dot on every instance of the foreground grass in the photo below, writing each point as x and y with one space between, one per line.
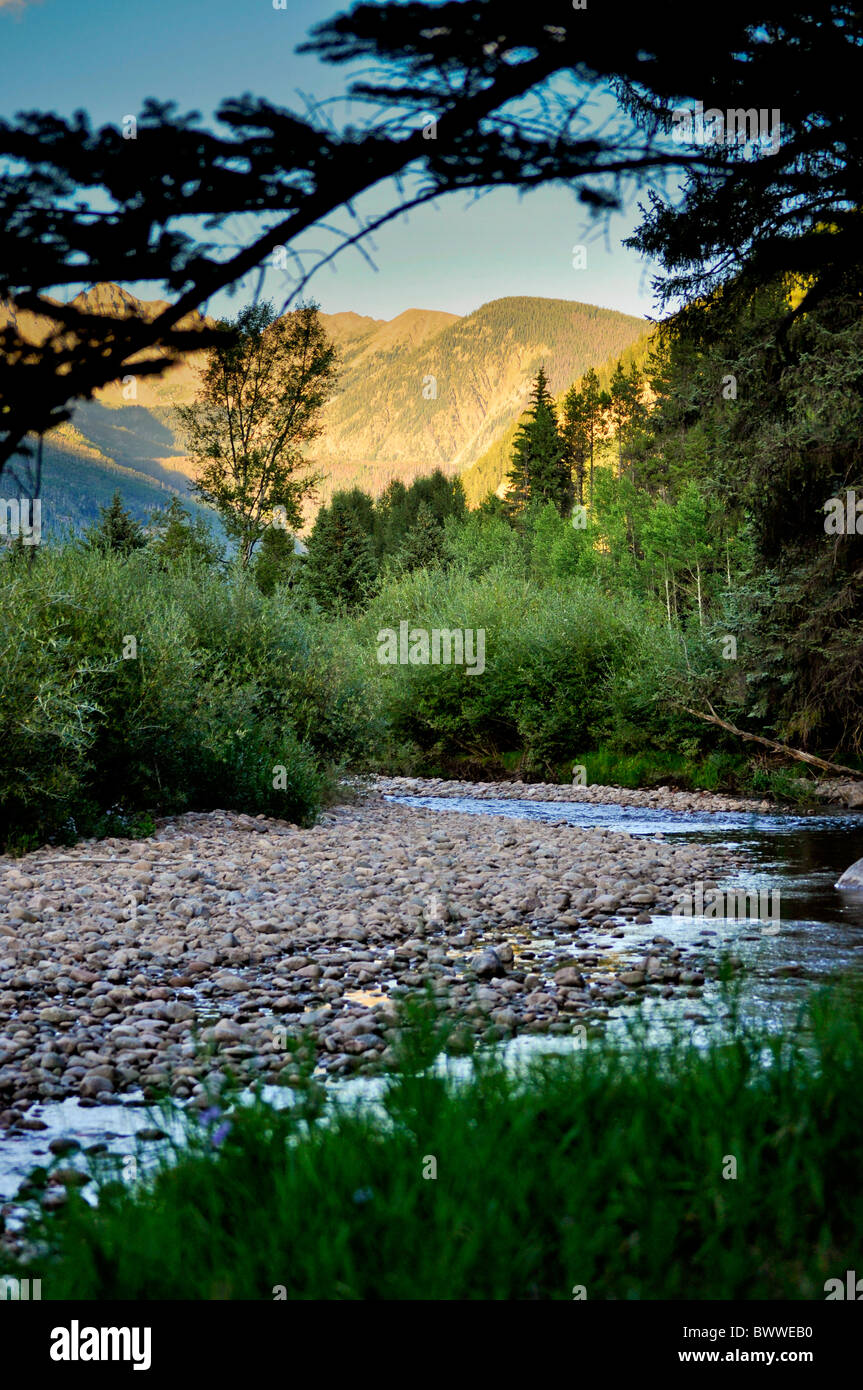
602 1169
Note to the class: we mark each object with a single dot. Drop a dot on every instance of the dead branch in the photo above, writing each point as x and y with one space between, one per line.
713 718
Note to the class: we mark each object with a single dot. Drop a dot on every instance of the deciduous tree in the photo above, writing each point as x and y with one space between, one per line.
261 396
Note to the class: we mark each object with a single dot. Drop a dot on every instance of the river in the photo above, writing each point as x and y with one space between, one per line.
820 939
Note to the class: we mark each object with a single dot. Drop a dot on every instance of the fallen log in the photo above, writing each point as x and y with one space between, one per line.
713 718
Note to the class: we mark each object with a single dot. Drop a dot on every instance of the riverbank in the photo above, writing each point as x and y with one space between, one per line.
164 964
660 798
722 1172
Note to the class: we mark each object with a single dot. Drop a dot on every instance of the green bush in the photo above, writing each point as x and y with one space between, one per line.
553 655
218 686
482 541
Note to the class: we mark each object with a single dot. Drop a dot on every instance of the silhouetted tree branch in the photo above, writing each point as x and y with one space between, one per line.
517 100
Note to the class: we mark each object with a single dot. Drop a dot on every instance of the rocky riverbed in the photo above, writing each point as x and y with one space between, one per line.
662 798
164 964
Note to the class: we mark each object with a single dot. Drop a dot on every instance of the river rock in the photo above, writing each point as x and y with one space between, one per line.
487 964
569 978
95 1085
93 1004
852 877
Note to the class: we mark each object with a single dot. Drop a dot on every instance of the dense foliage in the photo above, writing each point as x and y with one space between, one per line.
130 684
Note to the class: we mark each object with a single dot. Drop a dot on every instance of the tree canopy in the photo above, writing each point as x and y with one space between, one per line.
515 102
261 395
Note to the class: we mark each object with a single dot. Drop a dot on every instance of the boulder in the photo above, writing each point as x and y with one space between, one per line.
487 965
853 877
847 793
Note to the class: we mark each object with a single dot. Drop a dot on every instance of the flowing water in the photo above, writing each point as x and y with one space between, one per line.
820 939
821 931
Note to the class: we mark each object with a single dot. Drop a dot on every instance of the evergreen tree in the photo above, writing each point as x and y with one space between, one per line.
593 404
575 440
423 543
361 504
492 505
340 567
391 518
116 530
625 410
399 507
276 562
175 534
518 477
444 496
539 472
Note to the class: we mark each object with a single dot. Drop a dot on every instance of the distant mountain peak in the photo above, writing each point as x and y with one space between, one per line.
423 390
107 298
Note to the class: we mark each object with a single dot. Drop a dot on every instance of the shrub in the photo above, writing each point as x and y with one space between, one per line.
126 684
551 656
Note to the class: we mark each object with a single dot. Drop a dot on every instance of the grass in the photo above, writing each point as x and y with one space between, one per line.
715 771
607 1168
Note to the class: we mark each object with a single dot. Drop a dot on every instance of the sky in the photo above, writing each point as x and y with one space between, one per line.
107 56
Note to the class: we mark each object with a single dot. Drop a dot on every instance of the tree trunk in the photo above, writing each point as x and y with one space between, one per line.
713 718
37 491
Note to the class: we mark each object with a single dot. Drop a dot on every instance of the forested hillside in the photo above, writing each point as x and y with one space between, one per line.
443 402
489 471
426 389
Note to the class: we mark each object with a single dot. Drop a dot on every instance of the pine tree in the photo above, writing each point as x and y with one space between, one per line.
625 409
116 530
593 403
539 472
175 534
340 566
575 440
362 505
422 544
518 477
444 496
391 518
275 563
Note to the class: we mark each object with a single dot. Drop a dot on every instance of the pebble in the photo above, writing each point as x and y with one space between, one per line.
251 932
661 798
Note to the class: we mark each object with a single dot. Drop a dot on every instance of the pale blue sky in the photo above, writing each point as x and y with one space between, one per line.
106 56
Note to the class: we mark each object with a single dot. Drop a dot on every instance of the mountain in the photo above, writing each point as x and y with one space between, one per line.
77 480
177 384
115 443
423 390
435 391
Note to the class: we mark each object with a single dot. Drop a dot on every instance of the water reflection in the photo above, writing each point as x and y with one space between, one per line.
821 935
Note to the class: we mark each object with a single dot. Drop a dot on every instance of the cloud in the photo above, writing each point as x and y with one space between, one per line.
14 4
